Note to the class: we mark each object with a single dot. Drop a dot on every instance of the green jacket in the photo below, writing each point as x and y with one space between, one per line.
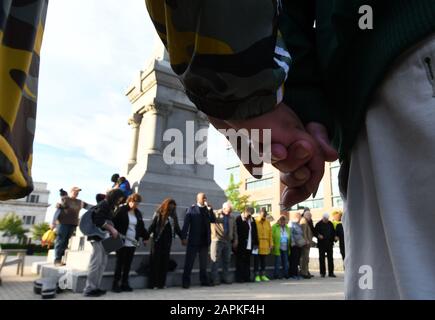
276 238
233 68
337 66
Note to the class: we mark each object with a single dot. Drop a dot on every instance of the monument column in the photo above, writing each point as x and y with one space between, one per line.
156 113
134 122
203 124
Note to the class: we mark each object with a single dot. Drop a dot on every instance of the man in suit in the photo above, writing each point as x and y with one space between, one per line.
325 235
196 230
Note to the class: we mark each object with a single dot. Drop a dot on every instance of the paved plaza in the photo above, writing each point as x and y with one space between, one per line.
21 288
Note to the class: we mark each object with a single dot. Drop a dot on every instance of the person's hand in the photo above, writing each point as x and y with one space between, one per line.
294 151
286 129
336 238
235 244
320 237
52 226
297 187
184 242
114 233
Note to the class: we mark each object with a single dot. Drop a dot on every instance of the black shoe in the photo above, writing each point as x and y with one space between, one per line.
332 275
116 288
322 275
186 286
126 288
306 277
226 282
207 284
92 293
101 291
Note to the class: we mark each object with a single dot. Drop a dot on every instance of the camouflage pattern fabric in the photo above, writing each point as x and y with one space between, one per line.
229 54
21 30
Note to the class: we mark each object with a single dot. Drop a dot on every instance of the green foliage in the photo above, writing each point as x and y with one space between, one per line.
12 226
239 202
39 229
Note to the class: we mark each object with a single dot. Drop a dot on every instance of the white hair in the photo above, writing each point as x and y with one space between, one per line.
227 204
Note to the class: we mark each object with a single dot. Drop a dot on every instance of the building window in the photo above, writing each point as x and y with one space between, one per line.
265 182
267 204
32 198
337 202
29 220
312 203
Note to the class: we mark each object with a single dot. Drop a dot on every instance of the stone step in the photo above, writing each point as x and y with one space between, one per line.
174 279
79 260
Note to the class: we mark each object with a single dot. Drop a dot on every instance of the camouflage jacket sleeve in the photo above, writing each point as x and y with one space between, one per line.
21 30
229 54
304 91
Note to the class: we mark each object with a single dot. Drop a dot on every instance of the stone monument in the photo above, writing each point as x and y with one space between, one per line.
158 104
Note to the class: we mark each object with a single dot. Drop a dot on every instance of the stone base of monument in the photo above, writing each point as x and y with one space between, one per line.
77 264
174 279
78 255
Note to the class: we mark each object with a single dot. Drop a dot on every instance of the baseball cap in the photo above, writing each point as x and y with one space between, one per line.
75 189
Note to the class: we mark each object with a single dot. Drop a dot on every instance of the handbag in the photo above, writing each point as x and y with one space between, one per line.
301 242
111 244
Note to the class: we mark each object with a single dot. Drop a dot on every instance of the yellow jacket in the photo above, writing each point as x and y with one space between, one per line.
264 236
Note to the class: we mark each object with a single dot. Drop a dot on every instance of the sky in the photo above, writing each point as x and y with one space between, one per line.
92 50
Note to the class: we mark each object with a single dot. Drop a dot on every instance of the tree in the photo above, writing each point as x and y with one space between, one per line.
39 229
239 202
12 226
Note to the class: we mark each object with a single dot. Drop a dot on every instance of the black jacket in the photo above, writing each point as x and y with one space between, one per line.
121 222
243 233
327 231
196 225
339 231
165 233
101 214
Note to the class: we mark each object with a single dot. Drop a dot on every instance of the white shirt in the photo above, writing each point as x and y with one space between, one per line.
249 246
131 231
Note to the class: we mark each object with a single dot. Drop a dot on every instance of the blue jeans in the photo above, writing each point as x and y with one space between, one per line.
64 233
281 260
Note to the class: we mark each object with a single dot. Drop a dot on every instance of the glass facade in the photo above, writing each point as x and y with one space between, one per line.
254 184
265 203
